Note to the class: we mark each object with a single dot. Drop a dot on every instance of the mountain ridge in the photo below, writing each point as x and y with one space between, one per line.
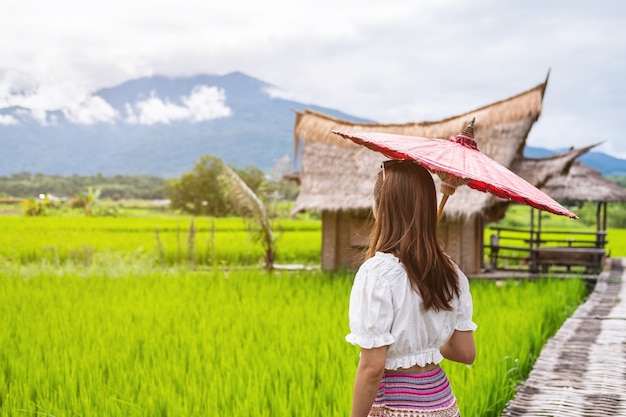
156 125
606 164
161 125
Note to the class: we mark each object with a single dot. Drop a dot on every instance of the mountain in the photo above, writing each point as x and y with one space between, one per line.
161 126
155 125
606 164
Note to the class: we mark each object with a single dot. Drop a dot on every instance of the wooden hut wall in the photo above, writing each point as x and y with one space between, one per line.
463 241
344 239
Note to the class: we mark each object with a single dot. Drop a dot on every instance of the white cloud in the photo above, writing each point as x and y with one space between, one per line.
7 120
48 91
386 61
154 110
203 103
40 115
275 92
206 103
92 110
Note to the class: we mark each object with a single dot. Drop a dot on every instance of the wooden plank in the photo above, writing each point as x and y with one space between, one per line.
591 258
580 372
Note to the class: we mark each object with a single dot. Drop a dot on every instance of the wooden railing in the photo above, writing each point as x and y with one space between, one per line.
535 251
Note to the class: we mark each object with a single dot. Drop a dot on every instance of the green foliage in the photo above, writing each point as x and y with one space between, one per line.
115 187
252 176
200 192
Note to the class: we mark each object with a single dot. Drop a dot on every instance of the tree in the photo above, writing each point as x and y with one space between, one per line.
253 176
116 187
203 191
199 192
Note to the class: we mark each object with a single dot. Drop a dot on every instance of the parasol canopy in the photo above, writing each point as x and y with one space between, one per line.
457 161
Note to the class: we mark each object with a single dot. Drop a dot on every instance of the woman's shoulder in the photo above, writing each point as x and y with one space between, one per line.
382 259
385 265
460 273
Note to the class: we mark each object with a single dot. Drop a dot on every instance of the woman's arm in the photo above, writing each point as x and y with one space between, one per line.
460 347
369 373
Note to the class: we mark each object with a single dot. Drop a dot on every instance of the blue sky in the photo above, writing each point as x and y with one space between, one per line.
392 61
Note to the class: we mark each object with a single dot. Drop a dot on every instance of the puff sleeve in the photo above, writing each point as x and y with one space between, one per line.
371 309
464 305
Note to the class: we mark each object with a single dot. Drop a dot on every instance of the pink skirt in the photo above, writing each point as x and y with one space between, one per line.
426 394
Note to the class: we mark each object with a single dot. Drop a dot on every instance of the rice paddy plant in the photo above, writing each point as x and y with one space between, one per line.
223 241
617 242
119 337
169 343
515 320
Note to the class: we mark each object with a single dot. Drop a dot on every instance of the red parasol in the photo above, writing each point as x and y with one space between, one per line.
457 161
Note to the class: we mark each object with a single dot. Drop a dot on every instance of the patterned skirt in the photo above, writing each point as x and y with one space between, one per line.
426 394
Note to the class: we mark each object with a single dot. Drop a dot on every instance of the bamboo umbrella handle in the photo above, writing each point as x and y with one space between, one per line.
449 183
443 203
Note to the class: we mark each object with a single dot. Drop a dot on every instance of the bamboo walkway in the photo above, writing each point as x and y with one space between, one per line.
582 370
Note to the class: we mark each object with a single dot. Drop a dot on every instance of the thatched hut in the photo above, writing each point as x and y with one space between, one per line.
337 176
584 184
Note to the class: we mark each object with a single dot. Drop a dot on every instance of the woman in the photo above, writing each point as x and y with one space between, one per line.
410 305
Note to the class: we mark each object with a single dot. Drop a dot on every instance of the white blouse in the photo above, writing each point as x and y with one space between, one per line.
385 310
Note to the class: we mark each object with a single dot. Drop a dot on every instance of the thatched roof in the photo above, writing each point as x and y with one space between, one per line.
584 184
538 171
337 174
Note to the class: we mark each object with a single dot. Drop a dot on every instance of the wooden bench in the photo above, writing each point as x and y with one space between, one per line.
589 257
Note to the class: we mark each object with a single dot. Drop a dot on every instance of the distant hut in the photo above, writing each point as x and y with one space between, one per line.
337 176
539 172
584 184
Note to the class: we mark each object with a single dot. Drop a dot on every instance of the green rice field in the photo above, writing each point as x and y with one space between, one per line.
221 241
112 317
123 340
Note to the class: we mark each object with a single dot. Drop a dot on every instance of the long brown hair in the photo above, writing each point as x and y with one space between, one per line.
405 225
